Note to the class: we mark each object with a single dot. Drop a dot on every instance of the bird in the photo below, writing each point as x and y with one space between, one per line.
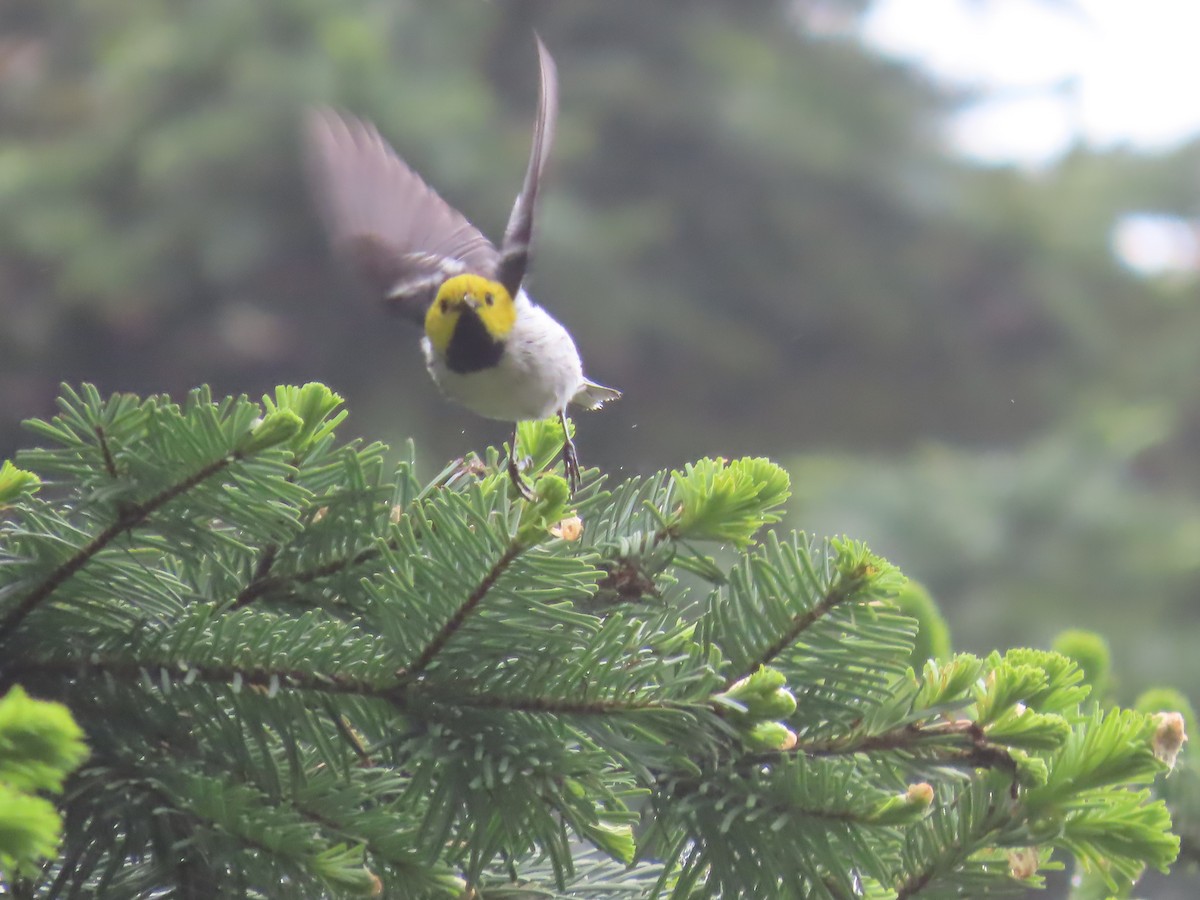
487 344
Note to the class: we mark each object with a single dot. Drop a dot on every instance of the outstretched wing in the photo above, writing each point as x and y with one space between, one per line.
514 249
394 229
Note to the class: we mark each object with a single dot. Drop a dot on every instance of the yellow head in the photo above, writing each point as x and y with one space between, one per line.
464 298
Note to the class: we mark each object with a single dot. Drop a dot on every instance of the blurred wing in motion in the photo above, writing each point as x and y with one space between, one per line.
395 231
514 249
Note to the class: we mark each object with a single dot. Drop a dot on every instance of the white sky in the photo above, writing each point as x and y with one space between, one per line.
1104 71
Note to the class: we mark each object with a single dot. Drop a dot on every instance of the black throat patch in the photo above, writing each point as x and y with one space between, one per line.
471 347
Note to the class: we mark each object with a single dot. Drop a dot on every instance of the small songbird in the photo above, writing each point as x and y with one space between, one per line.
487 345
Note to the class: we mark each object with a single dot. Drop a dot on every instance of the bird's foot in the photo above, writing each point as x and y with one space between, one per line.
571 465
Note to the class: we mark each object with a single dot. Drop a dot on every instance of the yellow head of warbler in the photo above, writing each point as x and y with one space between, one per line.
468 322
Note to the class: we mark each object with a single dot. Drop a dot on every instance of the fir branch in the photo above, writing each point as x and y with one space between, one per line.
688 787
270 553
904 738
263 567
839 592
128 519
264 583
110 465
434 647
353 741
575 707
459 711
951 856
137 672
977 753
399 693
918 881
623 571
253 839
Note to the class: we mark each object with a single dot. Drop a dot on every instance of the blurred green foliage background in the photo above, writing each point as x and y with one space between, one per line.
752 229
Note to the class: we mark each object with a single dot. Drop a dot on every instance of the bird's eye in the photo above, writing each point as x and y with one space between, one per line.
445 304
488 299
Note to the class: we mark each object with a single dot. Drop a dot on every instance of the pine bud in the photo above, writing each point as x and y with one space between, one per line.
771 736
779 704
1169 737
919 794
15 482
1023 862
904 809
569 529
273 429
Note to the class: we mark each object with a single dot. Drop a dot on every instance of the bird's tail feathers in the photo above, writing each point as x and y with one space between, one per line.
593 396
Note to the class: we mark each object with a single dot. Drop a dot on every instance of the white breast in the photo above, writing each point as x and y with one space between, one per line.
536 377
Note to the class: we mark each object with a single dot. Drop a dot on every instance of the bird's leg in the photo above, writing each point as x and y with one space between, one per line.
570 458
514 472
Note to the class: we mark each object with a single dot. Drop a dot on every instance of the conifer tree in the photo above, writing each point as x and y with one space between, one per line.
302 672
